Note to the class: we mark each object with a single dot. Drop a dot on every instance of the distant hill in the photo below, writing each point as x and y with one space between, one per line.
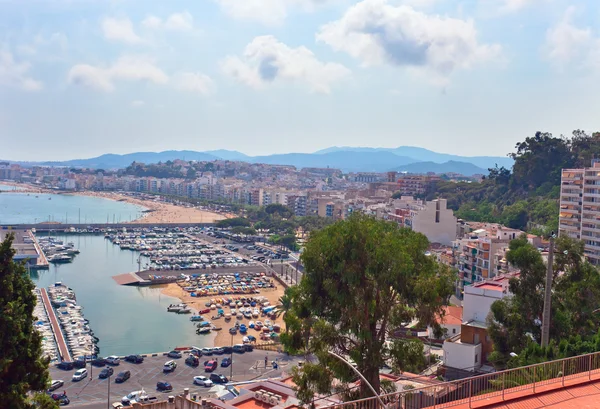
426 155
346 161
464 168
229 155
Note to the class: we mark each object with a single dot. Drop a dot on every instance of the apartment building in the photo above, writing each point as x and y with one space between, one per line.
469 350
414 185
579 216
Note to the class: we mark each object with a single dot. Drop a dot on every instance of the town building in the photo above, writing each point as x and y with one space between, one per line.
434 220
579 216
469 350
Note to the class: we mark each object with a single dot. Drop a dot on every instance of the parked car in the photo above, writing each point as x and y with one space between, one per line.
207 351
174 354
226 362
134 359
80 362
169 366
239 348
80 374
164 386
132 397
123 376
196 352
112 360
106 372
192 360
65 365
219 351
61 398
99 362
217 378
202 381
248 347
227 350
54 385
210 366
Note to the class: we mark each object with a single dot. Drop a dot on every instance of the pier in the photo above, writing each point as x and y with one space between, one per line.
58 335
65 227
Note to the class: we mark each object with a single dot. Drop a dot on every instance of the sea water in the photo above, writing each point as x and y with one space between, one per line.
127 320
42 207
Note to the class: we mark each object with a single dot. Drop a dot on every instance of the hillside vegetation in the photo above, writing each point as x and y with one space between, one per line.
525 197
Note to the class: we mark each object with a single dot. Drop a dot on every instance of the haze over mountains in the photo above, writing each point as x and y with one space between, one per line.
349 159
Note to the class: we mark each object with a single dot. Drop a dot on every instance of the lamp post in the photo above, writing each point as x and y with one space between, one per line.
360 376
108 393
231 359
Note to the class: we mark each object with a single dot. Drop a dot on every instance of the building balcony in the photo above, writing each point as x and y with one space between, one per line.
568 227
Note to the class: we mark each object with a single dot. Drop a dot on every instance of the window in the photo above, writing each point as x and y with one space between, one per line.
454 330
476 358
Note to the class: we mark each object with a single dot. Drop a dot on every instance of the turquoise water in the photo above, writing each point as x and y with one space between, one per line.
41 207
127 320
8 187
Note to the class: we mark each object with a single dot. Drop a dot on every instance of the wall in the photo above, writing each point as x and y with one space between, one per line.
439 225
477 303
462 356
467 336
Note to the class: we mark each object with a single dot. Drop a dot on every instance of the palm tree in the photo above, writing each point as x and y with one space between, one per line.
285 304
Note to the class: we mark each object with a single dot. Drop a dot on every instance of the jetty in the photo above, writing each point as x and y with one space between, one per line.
60 339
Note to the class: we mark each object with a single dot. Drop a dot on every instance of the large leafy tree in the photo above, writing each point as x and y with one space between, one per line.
364 278
515 322
22 368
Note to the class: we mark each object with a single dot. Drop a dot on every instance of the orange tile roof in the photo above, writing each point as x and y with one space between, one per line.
452 315
492 287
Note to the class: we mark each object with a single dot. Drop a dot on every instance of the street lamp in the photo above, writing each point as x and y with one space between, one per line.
108 394
360 376
231 359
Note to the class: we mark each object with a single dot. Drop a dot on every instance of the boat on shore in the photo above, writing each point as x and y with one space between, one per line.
176 307
205 330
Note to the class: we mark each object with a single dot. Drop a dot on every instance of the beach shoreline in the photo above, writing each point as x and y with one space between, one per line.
155 212
223 337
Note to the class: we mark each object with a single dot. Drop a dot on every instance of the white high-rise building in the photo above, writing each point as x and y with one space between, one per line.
579 216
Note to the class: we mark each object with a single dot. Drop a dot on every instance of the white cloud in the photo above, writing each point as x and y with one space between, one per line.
127 68
137 103
516 5
566 42
183 21
16 74
120 29
270 12
378 33
194 82
267 60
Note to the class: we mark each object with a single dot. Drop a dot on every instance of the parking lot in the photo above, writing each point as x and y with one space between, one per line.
246 367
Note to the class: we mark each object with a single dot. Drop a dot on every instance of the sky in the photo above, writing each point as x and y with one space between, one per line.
80 78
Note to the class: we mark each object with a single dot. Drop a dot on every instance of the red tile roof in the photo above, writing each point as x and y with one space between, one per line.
452 315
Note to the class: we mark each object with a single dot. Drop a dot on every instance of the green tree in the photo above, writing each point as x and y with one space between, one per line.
22 367
364 278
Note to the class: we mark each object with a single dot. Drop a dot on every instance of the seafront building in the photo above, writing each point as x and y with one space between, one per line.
579 216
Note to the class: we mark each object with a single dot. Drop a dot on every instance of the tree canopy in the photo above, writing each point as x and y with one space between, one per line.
364 278
528 196
514 323
22 368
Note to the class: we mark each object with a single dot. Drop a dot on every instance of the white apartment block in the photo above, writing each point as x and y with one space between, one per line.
579 216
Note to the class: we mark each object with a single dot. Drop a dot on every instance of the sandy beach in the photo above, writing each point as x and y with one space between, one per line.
161 212
223 337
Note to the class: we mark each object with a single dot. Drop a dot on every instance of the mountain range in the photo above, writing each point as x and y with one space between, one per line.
349 159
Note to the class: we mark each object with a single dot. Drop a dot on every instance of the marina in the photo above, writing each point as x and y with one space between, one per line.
43 326
124 318
63 350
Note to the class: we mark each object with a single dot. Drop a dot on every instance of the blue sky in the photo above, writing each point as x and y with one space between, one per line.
79 78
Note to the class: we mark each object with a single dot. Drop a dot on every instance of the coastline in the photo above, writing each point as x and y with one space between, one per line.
223 337
159 212
153 211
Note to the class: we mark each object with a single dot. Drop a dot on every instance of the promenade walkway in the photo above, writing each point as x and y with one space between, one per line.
58 335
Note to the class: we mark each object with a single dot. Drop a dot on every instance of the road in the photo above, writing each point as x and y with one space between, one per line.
92 391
